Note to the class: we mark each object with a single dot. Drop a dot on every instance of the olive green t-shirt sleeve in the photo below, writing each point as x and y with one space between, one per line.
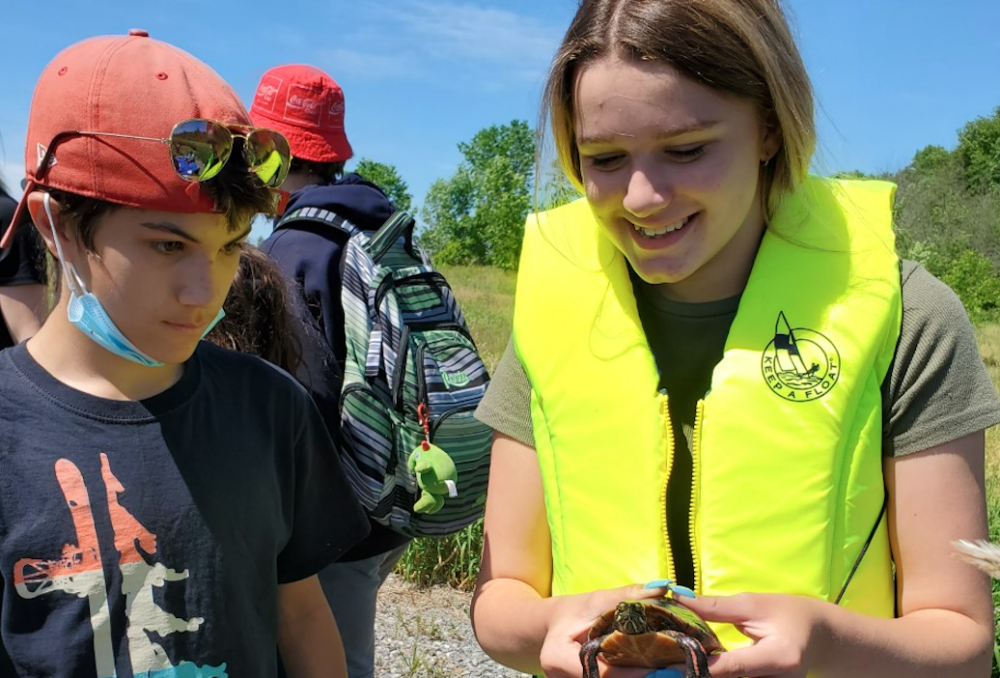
938 388
506 407
937 391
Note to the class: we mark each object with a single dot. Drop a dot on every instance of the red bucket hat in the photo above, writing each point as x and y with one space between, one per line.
132 85
307 106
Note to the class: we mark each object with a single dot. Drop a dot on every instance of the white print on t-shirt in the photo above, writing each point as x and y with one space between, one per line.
79 571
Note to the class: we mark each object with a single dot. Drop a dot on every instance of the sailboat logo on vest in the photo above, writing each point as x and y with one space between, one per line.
799 364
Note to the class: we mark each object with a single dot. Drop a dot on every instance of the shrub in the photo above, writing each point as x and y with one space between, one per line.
973 278
930 159
979 150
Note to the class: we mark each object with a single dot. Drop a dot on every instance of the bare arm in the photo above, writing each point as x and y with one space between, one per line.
946 613
23 309
945 627
515 620
307 633
516 567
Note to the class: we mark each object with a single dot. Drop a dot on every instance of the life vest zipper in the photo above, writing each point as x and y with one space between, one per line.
695 487
668 427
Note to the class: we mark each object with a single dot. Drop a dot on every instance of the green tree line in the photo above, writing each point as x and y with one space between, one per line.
947 215
476 216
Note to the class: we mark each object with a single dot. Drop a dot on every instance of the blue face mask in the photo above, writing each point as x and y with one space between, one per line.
87 314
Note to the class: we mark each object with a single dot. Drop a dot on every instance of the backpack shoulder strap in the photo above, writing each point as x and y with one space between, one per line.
400 223
317 215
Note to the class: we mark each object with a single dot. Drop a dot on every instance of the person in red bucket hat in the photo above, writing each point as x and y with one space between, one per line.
307 106
165 503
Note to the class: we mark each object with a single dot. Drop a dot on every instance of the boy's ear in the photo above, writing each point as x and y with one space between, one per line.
36 208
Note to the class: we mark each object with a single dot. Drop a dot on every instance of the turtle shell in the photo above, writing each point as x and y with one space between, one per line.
646 633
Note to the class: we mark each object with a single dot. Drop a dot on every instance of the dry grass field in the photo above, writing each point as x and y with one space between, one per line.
988 338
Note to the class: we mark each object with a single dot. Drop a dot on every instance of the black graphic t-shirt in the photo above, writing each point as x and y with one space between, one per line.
148 538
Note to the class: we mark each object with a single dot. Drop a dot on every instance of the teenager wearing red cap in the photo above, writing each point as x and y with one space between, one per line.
164 503
307 106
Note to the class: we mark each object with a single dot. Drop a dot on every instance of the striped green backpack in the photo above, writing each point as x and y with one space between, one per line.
416 457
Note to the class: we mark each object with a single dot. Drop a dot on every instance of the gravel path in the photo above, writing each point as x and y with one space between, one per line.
426 633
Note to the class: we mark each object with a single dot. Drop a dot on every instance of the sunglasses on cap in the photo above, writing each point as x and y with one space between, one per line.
199 149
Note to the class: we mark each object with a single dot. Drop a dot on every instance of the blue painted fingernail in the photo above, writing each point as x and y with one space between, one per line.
665 673
682 591
658 584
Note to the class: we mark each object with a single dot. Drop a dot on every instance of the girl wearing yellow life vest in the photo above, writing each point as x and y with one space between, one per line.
721 374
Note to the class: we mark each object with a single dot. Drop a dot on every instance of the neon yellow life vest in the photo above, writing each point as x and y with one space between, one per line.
787 448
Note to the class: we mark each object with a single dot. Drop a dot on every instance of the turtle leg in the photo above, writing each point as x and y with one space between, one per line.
697 661
588 657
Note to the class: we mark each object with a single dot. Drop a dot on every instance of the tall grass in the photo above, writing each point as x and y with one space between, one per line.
486 296
452 560
988 338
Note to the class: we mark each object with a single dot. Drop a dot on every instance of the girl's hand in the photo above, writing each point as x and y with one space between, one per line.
788 633
571 621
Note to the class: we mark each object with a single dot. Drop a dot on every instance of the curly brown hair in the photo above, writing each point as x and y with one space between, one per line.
260 313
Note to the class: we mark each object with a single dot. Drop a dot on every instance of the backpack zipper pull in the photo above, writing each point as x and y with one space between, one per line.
424 419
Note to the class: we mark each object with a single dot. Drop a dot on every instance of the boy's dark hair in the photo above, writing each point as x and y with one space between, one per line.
260 317
326 172
238 193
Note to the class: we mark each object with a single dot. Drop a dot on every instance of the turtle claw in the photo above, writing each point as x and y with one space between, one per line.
696 659
588 657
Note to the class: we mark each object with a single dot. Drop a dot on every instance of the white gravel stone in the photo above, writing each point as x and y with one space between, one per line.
426 633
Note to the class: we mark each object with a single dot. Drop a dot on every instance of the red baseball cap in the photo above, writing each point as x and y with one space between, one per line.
307 106
132 85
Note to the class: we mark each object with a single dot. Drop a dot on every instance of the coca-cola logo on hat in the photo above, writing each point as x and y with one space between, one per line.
336 114
302 105
267 92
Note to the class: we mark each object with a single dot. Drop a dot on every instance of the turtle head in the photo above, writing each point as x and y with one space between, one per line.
630 618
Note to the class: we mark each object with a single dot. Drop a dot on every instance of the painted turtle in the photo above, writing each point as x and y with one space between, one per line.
654 633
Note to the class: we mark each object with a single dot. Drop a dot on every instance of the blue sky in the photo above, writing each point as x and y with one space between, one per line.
420 76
